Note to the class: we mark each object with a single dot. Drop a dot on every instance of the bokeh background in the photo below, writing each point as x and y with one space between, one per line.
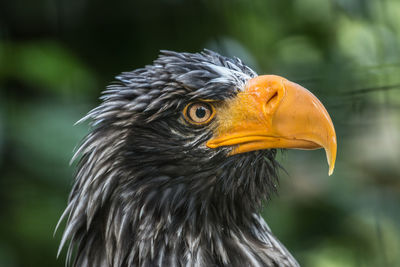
56 56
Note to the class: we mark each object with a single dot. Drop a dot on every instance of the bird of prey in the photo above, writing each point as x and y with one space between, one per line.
180 159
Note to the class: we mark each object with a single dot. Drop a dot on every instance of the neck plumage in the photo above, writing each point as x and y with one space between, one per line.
169 225
123 211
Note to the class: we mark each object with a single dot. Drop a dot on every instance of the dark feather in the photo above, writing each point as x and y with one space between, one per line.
148 192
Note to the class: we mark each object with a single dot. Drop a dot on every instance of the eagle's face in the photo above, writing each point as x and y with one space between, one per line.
185 145
205 114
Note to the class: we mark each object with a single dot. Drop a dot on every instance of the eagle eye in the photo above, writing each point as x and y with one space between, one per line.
199 113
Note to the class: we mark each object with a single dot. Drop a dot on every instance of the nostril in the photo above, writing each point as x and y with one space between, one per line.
272 103
272 100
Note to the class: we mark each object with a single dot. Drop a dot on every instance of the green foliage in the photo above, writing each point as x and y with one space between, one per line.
45 65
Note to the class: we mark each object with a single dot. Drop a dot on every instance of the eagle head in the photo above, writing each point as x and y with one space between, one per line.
179 160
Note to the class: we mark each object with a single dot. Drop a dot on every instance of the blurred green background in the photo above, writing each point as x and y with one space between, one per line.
56 56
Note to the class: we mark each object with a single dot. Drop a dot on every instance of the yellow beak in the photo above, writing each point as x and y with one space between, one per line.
273 112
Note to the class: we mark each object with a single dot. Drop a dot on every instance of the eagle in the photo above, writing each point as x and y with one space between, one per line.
179 161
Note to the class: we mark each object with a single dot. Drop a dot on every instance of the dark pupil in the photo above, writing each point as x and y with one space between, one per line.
200 112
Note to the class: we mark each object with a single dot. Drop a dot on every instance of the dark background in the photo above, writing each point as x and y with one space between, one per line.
56 56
